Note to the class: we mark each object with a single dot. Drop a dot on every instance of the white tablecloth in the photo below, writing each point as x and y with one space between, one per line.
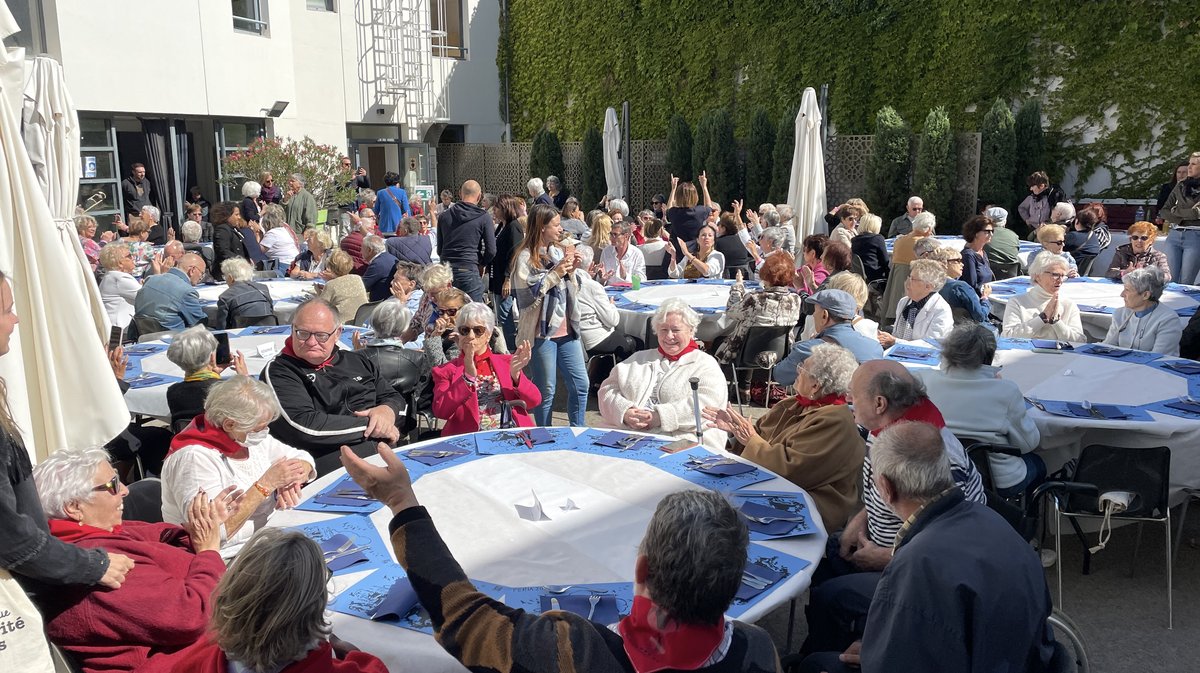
1093 292
637 307
472 505
287 294
1025 249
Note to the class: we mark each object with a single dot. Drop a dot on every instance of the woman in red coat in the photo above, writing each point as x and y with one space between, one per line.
468 390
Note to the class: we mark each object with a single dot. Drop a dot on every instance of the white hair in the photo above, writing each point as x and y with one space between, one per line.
925 246
237 269
373 243
535 187
252 189
786 213
191 349
245 402
914 200
587 254
773 235
925 222
298 178
476 311
66 477
870 224
679 307
620 206
434 275
832 366
191 230
153 212
1063 212
763 207
390 318
1043 263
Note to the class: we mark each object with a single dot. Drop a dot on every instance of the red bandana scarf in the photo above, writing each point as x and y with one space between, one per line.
675 646
686 349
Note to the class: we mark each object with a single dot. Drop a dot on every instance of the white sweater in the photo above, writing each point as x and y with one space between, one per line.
597 315
631 385
195 467
118 290
1022 318
1158 332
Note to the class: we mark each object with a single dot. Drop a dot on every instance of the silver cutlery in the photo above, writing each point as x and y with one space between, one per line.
772 519
345 545
351 495
593 601
754 581
554 604
1036 404
424 453
348 552
561 589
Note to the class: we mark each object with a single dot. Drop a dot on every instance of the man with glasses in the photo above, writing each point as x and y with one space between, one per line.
622 261
170 298
903 224
329 396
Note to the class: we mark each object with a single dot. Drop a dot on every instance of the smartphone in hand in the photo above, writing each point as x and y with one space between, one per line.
114 338
224 356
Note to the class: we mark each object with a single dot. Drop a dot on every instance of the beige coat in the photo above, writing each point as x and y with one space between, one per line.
347 293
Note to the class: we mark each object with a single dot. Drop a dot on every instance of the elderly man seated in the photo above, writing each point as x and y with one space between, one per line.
622 260
170 298
882 393
833 317
408 245
328 396
688 569
172 253
963 591
245 301
377 276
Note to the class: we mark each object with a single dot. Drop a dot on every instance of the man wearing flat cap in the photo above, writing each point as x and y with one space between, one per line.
833 315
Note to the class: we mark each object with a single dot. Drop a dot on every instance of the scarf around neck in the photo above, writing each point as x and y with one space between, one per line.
924 411
291 352
674 646
74 531
828 400
205 434
675 358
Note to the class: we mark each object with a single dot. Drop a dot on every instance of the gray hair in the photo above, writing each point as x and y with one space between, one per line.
553 180
273 216
252 189
191 230
870 224
587 254
928 271
925 222
66 477
695 549
373 243
535 187
245 402
1146 279
771 219
191 349
269 608
621 227
773 235
925 246
969 345
434 275
237 269
411 225
1063 212
914 200
678 307
367 196
832 366
765 207
476 312
620 206
1045 262
901 392
298 178
786 213
390 318
912 457
153 212
318 301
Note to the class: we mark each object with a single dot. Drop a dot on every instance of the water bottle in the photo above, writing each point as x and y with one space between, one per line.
636 281
1140 215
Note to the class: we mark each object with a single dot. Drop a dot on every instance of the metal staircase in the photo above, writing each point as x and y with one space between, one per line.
398 55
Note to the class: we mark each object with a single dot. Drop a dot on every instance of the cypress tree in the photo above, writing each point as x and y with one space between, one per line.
760 154
592 169
679 148
998 155
887 171
935 172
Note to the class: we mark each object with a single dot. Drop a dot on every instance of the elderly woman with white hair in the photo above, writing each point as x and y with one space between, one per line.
977 404
266 620
245 301
1144 323
921 313
194 350
1041 313
279 242
469 391
164 603
537 191
923 226
229 446
650 391
118 287
251 206
399 366
311 263
811 439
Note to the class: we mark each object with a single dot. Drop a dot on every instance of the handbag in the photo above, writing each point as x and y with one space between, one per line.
23 644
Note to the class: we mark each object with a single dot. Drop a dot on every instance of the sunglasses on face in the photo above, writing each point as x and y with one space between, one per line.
475 331
304 335
1139 238
989 231
448 311
1058 243
112 485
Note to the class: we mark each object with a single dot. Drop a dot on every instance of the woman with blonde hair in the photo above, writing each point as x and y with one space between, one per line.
869 246
601 234
311 263
1053 238
856 287
345 290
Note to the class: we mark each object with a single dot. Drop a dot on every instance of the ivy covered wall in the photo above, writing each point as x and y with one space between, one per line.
1116 77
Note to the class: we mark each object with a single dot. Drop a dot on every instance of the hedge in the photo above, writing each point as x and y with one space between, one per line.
887 171
546 156
591 170
997 156
679 148
760 155
934 176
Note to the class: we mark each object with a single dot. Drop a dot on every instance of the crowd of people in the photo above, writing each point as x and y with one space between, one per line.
512 301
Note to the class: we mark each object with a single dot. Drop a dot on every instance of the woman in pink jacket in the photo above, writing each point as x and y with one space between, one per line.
468 390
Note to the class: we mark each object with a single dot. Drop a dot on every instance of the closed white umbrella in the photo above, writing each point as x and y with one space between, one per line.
806 188
614 172
60 388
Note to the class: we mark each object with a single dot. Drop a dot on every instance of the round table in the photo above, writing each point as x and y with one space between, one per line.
1024 251
1097 299
707 296
472 504
1141 383
287 293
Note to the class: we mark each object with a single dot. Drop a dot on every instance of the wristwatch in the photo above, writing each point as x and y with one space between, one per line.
1045 319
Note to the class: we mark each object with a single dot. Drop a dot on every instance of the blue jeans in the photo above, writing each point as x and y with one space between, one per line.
1182 248
567 354
468 280
1035 474
506 320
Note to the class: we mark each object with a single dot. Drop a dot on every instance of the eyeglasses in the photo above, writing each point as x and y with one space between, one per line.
112 485
918 208
448 311
1139 238
1058 243
304 335
1057 276
475 330
989 231
616 235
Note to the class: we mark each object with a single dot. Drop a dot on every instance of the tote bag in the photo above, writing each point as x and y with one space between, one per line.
22 638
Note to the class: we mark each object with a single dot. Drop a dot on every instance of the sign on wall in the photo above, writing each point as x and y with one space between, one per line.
89 167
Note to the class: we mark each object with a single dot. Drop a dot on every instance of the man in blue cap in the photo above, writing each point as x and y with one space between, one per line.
833 316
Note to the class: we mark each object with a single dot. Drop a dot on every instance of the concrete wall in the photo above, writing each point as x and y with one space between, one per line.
473 84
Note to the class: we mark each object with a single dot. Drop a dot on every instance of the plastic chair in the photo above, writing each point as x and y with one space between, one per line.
762 349
1085 264
1101 469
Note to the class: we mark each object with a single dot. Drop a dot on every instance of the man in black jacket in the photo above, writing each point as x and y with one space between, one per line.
329 396
467 240
135 190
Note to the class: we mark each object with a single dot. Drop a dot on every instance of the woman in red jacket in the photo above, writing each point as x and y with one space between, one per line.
164 604
468 390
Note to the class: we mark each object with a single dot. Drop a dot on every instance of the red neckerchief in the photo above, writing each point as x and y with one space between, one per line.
201 432
681 647
686 349
483 364
291 352
921 412
73 531
832 398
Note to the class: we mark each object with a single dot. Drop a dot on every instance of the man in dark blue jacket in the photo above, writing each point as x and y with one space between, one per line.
963 591
466 240
377 277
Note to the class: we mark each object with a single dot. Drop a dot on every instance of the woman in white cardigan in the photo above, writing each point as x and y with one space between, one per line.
921 313
650 391
118 287
598 318
1144 323
1041 313
977 404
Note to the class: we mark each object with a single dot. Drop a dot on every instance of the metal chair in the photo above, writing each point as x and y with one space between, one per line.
1006 271
1191 494
1085 265
148 328
762 348
875 288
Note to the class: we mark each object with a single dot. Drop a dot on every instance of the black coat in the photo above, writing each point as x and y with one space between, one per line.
227 244
872 250
466 236
508 239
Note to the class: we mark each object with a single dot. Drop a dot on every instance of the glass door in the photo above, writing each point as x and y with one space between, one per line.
100 186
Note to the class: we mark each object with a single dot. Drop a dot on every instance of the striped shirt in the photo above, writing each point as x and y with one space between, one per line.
882 523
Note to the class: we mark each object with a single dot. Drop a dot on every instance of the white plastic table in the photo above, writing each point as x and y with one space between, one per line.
287 293
709 297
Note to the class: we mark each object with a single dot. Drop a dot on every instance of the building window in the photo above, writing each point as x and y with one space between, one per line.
446 21
321 5
100 186
250 16
234 136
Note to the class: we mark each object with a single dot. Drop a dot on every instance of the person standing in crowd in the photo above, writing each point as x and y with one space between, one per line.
510 212
299 204
546 292
684 216
135 191
1182 212
903 224
558 195
1139 253
537 191
467 240
1003 249
1043 196
251 207
391 204
271 193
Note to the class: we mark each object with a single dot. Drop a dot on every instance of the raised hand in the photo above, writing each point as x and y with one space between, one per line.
389 484
520 358
203 524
